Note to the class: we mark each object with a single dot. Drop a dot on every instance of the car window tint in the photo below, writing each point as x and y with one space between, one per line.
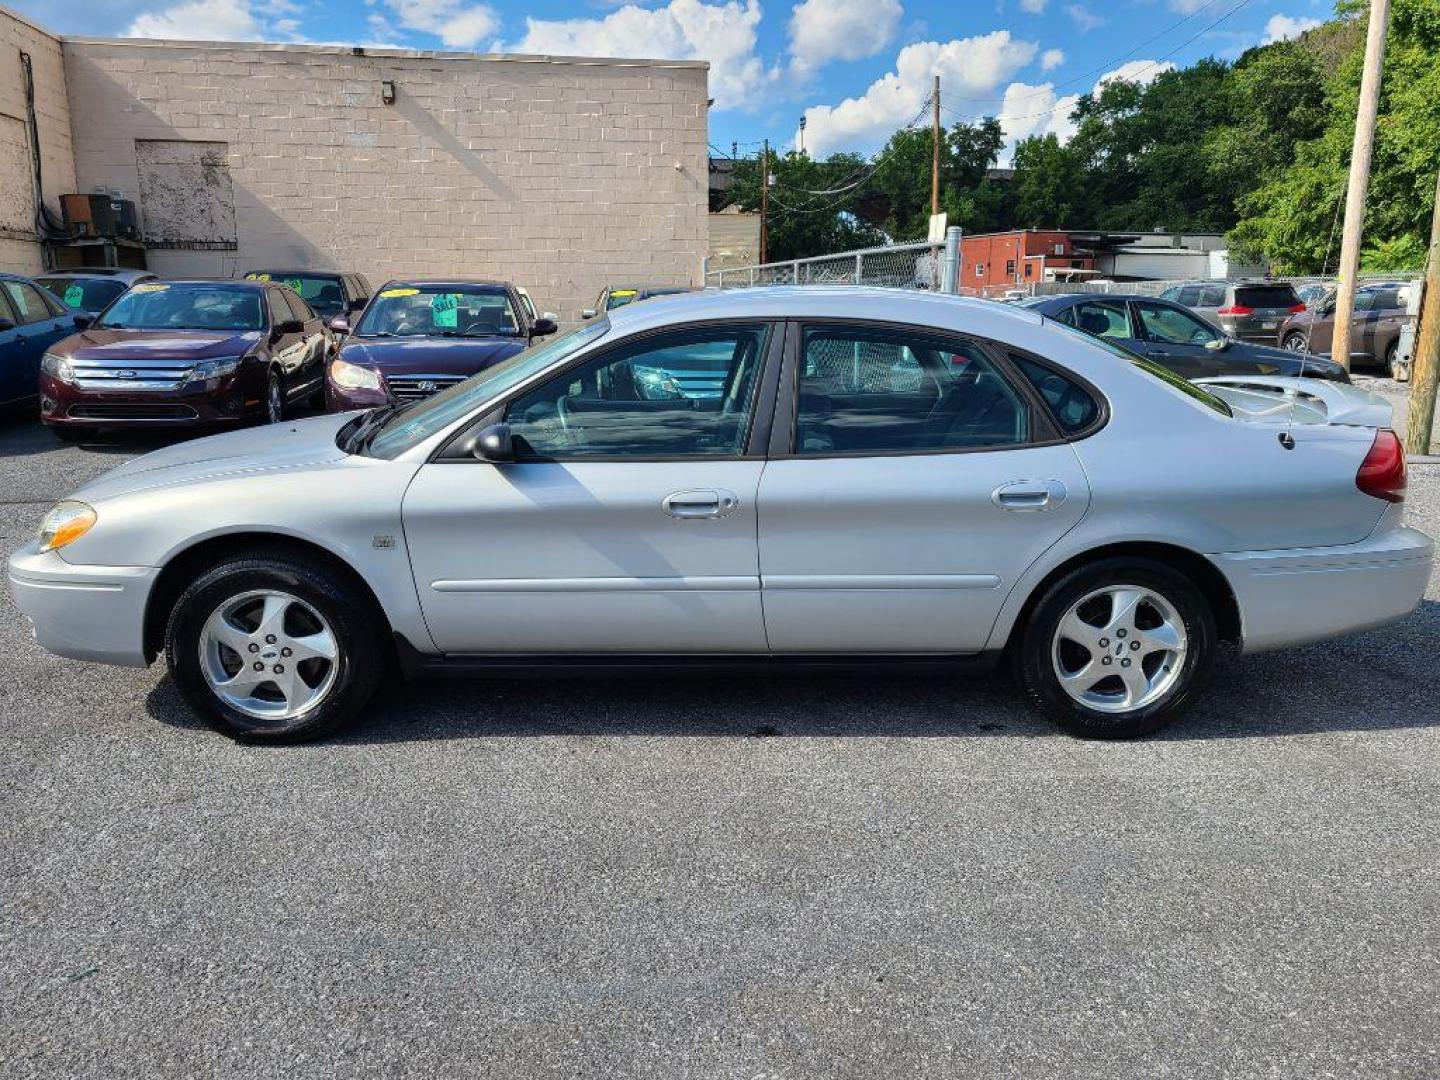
84 294
1189 296
1072 407
298 307
26 300
1173 326
863 391
1266 296
676 395
1101 318
1211 296
279 309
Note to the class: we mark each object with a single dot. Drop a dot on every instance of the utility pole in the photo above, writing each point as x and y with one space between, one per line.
802 134
764 201
1360 154
1425 364
935 149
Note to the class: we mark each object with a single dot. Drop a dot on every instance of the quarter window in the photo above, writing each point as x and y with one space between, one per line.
678 395
864 391
1071 406
1172 326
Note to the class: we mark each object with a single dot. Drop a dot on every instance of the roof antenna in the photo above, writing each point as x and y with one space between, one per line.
1287 437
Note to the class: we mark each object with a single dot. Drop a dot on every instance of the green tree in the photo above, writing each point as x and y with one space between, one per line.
1049 184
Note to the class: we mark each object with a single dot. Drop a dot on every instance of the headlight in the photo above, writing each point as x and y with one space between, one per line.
350 376
57 367
64 524
214 369
655 384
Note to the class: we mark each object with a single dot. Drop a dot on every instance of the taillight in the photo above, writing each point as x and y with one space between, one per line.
1297 309
1382 473
1235 309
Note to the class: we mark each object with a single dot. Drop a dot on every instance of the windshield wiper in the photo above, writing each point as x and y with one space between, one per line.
369 424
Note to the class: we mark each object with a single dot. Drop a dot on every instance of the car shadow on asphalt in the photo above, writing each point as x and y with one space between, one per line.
1374 681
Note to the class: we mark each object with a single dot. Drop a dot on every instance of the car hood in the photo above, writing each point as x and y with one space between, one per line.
430 355
1284 361
292 445
131 345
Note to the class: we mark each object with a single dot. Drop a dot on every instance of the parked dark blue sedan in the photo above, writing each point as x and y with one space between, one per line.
31 320
1175 337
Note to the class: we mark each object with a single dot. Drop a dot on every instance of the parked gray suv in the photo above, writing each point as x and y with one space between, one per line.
1248 310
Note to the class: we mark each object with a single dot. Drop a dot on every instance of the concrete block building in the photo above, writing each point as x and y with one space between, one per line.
559 173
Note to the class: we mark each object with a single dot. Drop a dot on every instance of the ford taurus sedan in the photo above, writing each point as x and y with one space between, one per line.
882 477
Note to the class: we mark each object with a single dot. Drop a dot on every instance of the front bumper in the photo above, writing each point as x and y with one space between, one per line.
83 612
1294 596
228 400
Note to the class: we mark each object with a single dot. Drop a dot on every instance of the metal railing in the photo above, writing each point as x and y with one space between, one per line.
898 266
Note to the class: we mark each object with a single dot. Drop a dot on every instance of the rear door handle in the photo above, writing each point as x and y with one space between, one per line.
1029 495
700 503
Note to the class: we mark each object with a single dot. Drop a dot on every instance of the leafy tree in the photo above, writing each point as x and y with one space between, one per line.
1049 184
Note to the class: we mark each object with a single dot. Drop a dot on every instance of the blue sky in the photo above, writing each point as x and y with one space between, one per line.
856 69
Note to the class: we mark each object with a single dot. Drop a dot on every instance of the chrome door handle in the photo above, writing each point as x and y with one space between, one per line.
1029 495
700 503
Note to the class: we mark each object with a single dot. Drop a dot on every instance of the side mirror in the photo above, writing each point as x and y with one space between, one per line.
588 313
494 444
543 327
1218 344
340 324
82 320
551 316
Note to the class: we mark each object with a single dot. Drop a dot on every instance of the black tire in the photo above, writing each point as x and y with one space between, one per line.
70 434
353 619
1392 368
1036 668
1295 342
274 398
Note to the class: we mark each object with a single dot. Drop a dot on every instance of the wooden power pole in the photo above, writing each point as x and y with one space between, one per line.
1425 363
764 201
1359 179
935 150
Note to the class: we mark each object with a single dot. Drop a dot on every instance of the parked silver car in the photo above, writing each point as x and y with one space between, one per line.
882 476
1247 310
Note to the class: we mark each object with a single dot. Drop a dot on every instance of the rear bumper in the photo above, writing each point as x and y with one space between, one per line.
1298 595
83 612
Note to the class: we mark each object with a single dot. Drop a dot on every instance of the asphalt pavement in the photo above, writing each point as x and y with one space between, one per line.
850 876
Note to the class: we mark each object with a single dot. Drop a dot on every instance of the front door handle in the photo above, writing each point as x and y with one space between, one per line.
700 503
1029 495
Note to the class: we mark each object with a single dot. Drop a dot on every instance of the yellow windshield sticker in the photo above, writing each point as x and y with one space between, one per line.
150 286
257 277
623 292
387 293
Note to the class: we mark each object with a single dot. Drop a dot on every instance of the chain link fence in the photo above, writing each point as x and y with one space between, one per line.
900 266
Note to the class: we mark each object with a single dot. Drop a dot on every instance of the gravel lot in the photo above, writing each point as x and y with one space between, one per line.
749 878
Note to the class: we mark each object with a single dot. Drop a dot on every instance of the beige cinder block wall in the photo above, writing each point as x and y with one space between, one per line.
20 250
557 173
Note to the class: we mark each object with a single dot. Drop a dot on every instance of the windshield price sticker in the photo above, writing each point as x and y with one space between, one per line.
389 293
445 309
149 286
74 296
257 277
294 283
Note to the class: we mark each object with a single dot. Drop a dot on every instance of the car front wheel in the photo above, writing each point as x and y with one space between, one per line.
1295 342
275 648
1117 649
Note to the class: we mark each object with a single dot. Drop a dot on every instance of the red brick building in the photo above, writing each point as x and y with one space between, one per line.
1018 257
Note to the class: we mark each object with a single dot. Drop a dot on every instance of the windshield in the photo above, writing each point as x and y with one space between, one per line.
321 291
1154 370
432 414
439 310
187 306
84 294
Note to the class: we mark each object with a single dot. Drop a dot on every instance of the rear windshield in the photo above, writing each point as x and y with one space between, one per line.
1266 296
321 291
84 294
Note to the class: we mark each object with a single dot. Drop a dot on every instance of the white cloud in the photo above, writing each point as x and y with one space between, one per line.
1285 27
458 25
825 30
965 66
1052 59
199 20
1034 7
1083 18
722 33
1038 110
1143 72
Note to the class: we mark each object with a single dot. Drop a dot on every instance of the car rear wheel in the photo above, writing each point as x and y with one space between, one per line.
1295 342
1117 649
275 648
1396 370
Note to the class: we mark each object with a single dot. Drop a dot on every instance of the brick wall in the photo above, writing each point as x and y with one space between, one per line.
19 243
559 174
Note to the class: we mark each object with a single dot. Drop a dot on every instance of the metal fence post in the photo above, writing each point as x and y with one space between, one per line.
752 277
950 282
859 268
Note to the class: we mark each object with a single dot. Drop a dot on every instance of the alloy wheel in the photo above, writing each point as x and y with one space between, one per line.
1295 343
1119 648
269 655
274 402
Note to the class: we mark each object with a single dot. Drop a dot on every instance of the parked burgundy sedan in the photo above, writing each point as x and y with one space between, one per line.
417 337
186 353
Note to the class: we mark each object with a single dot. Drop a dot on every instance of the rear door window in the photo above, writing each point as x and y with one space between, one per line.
1172 325
26 300
1102 319
279 310
298 307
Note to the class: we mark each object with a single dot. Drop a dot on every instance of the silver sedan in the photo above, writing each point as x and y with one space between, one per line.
870 476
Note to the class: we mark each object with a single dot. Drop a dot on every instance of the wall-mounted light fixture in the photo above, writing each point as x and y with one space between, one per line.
387 91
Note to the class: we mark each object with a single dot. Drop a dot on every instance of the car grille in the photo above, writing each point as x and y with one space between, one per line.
90 375
126 411
697 384
415 387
